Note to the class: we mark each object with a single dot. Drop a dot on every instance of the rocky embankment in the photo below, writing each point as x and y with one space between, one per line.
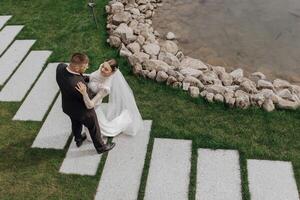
159 58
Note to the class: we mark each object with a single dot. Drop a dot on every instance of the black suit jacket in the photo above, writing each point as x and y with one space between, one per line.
72 100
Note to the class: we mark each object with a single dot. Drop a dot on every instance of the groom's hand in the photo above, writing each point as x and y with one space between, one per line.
81 88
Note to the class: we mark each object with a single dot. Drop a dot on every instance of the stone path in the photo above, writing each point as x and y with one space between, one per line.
7 35
169 173
270 180
218 175
218 171
40 97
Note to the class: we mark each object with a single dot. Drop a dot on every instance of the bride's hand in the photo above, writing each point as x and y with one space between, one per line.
81 88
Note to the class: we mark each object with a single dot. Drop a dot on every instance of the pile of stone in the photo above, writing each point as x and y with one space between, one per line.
129 24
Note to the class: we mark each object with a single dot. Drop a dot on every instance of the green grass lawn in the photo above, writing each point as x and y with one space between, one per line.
66 27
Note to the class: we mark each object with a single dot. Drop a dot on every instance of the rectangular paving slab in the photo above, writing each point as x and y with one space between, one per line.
13 57
169 172
124 166
56 129
18 85
218 175
40 97
7 35
271 180
81 161
4 19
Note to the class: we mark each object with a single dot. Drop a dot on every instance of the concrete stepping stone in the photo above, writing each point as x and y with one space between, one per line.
169 173
56 129
82 161
12 58
40 97
218 175
4 19
271 180
124 166
17 87
7 35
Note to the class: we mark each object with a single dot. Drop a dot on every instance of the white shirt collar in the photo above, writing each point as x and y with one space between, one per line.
72 71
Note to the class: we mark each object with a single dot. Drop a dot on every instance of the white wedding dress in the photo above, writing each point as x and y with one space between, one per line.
120 114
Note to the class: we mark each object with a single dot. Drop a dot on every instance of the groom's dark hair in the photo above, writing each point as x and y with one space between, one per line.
79 59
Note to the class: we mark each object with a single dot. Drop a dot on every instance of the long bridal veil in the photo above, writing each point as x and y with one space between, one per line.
121 99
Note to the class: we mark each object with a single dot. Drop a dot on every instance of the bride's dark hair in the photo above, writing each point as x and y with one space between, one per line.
113 64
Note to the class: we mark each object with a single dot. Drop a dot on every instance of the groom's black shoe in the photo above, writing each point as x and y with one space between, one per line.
79 142
106 148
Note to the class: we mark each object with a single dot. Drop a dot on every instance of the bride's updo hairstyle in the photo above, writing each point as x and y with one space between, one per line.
113 64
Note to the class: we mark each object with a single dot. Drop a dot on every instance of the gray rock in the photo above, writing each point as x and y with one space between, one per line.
121 17
116 7
114 41
137 68
169 58
134 47
229 99
203 93
210 97
236 74
124 51
169 46
171 80
262 84
285 104
139 57
226 79
194 91
268 105
179 76
140 39
248 86
151 49
281 84
171 72
286 94
219 98
161 76
193 63
158 65
218 70
170 36
193 81
135 11
258 99
216 89
257 76
125 33
191 72
185 86
144 73
152 74
177 84
180 55
242 99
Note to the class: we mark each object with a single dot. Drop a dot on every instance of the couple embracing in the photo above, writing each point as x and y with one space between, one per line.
82 96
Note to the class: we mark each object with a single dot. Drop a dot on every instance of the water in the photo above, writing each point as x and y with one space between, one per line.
256 35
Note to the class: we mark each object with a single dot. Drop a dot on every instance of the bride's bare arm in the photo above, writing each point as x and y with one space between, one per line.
91 103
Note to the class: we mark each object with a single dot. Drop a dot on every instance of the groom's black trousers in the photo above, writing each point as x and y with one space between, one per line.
91 122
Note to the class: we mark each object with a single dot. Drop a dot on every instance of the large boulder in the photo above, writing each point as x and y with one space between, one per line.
114 41
169 46
158 65
152 74
124 51
263 84
193 63
242 99
285 104
169 58
193 81
226 79
216 89
248 86
237 74
116 7
139 57
161 76
121 17
125 33
191 72
268 105
151 48
134 47
281 84
194 91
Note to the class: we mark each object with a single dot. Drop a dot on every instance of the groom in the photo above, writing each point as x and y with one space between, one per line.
73 105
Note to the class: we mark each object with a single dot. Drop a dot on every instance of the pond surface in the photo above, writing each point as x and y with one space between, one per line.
256 35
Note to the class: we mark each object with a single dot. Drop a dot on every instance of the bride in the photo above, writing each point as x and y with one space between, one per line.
120 114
